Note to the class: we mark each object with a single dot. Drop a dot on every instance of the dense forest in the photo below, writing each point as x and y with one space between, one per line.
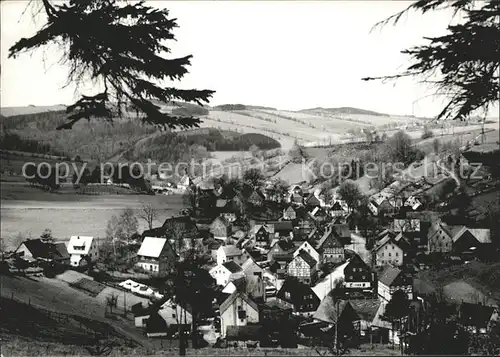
230 107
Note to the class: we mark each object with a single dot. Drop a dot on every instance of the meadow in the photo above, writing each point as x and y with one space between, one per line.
28 211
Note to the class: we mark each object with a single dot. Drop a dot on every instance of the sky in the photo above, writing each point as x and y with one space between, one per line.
284 54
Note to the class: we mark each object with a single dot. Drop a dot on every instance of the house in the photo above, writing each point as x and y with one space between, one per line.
255 280
256 198
391 280
156 256
339 313
303 267
354 275
380 204
263 234
379 323
476 318
330 247
222 273
289 214
181 232
471 239
281 247
439 238
172 313
366 309
237 310
343 232
305 245
228 208
296 198
282 228
298 296
37 249
390 250
339 208
313 201
80 247
227 253
221 228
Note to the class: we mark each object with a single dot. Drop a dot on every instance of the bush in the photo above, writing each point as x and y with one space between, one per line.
427 133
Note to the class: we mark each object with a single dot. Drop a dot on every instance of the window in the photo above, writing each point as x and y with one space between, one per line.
173 316
385 247
397 254
242 314
389 254
287 295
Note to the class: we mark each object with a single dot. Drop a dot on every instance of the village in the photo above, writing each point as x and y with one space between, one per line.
283 266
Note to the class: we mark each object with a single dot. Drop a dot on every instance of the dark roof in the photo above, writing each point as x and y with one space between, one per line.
342 230
277 305
244 333
330 236
281 225
286 245
477 315
307 258
389 275
223 220
282 257
312 200
232 267
184 223
297 290
46 250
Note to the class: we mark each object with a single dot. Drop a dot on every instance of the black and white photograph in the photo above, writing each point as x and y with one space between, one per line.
249 178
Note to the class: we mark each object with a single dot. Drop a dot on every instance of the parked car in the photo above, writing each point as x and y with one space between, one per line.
127 284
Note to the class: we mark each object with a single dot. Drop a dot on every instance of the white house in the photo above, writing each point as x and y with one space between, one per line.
80 247
222 273
156 255
391 280
227 253
390 251
237 310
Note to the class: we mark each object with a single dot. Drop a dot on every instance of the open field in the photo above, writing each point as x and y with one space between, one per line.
28 210
11 111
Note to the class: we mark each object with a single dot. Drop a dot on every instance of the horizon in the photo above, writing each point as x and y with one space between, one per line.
297 71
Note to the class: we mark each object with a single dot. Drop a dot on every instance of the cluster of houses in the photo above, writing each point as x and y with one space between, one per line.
284 253
294 249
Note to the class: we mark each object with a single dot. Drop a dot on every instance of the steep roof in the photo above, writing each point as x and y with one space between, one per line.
232 267
41 249
152 247
229 301
475 314
62 250
329 311
483 235
281 225
330 235
222 220
286 246
366 308
296 288
325 285
307 258
80 241
231 250
389 275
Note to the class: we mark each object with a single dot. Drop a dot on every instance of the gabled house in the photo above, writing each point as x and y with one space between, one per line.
477 318
222 273
221 228
298 296
439 238
228 208
354 275
38 249
413 202
256 198
172 313
281 228
339 208
331 248
81 249
263 234
156 256
227 253
306 246
469 240
366 309
279 265
303 267
281 247
390 250
391 280
181 232
289 214
337 313
313 201
343 232
237 310
296 199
